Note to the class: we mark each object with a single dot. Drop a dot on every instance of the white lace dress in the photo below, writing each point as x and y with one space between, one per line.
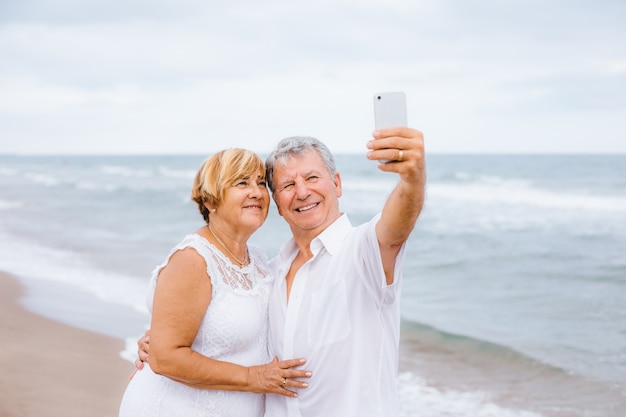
234 329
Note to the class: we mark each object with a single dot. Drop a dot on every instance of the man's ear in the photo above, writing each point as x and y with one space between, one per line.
337 183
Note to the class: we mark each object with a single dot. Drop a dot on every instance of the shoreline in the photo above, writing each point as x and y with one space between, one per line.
52 369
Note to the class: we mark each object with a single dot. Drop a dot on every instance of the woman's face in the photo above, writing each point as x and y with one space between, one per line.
246 202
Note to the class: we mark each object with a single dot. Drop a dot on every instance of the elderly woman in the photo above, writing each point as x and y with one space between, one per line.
209 299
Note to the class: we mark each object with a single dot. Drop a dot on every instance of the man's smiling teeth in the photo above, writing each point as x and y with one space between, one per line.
301 209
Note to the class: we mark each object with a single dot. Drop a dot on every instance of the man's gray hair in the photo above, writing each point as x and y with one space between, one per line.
297 146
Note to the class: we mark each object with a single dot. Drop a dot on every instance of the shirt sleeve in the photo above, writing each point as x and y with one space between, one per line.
372 266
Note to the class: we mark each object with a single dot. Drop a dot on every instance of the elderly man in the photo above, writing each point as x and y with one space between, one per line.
336 294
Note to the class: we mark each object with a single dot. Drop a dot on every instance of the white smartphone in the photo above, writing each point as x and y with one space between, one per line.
389 111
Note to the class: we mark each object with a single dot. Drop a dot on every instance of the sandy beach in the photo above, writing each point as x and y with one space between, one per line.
51 369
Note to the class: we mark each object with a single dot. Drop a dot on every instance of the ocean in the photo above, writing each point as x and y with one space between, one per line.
514 301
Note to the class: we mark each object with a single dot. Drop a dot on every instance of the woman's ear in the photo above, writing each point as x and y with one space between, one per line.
212 210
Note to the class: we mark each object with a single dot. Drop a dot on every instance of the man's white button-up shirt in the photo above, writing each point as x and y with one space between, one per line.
344 319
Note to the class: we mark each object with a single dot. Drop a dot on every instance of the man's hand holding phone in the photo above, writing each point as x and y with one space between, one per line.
397 147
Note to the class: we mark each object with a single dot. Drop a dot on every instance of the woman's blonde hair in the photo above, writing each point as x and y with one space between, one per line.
221 171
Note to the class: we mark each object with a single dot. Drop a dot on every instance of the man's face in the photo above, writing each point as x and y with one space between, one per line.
307 196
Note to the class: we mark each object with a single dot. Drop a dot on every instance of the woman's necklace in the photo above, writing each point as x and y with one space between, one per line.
241 263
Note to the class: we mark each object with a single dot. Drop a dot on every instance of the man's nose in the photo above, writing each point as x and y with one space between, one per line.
302 190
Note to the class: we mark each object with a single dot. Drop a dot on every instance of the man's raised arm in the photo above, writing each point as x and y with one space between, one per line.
404 147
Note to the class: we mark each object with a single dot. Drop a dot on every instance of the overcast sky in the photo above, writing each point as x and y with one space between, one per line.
195 76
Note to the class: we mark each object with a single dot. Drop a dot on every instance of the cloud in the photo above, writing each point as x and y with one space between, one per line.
164 76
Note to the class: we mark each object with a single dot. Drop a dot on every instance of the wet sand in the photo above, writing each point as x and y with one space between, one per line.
50 369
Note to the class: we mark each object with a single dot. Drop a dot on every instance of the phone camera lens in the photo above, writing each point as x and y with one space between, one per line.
378 97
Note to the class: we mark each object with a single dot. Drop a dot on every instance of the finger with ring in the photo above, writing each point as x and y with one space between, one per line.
284 383
400 155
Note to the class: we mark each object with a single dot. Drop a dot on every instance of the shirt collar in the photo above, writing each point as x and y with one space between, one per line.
330 238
